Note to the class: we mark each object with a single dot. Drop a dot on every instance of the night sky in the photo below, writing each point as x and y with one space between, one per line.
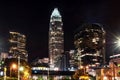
32 19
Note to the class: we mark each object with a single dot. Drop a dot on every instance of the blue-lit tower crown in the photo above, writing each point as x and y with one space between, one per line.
56 39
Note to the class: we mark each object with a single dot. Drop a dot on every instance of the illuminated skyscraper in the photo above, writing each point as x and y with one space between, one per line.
90 44
18 45
56 39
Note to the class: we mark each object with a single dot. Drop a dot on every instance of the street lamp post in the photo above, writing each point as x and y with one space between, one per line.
48 72
13 66
84 68
5 69
18 67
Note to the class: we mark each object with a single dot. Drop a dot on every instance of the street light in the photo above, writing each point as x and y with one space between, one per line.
84 68
21 68
13 66
117 46
18 67
5 69
21 71
117 42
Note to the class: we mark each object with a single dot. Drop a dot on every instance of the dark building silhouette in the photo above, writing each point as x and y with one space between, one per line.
89 41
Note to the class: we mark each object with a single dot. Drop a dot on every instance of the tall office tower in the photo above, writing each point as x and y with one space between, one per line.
89 41
56 39
18 45
69 61
73 62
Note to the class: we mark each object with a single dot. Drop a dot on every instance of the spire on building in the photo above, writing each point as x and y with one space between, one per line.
55 13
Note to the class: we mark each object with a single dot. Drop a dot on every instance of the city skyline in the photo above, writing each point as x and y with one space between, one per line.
32 19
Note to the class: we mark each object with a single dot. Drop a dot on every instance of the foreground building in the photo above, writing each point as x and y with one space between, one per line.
15 71
112 71
89 41
56 40
18 46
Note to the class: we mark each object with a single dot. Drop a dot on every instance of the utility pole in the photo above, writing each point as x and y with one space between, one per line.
113 70
48 73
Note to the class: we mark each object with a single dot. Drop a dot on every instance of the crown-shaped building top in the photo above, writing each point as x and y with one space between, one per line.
56 40
55 13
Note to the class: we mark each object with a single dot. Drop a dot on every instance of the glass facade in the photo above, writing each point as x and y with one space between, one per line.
18 45
89 41
56 39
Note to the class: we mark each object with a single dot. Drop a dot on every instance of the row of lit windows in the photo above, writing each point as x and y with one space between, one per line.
56 38
57 49
56 19
93 30
94 34
56 42
88 54
17 39
40 68
56 33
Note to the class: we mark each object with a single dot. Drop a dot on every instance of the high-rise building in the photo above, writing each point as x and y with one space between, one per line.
3 55
56 39
89 41
18 45
69 61
73 61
